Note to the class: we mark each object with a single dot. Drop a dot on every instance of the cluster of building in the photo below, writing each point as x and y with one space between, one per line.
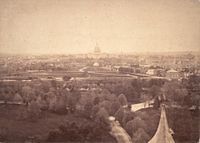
172 66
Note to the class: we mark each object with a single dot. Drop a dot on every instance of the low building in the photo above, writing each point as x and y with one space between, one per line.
172 74
151 72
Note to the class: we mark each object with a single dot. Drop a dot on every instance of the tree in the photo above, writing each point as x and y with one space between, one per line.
110 97
45 86
72 100
132 92
114 107
85 98
33 110
129 127
66 78
17 98
169 88
42 103
156 103
88 109
143 115
28 94
135 124
96 100
128 116
94 111
140 136
137 84
60 105
104 95
195 99
7 96
122 100
51 101
154 91
118 89
102 118
119 114
156 82
2 94
180 94
54 84
106 105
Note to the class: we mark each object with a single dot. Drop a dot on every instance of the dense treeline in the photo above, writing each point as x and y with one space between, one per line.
99 100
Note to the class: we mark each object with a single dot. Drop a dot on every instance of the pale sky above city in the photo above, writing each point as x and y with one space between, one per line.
75 26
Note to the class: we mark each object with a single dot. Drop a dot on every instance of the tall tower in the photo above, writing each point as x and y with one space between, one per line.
97 50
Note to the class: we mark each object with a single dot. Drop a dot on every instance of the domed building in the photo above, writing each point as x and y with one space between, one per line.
97 53
96 64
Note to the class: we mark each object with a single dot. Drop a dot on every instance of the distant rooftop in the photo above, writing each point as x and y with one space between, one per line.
172 71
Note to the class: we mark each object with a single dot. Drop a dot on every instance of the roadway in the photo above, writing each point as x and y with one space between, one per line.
143 105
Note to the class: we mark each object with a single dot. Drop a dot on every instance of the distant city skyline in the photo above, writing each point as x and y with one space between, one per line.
128 26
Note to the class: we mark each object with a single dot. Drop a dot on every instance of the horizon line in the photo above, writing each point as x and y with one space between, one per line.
116 53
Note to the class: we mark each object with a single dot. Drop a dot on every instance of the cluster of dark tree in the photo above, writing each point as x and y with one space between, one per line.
110 98
37 96
96 106
140 125
40 95
89 132
135 90
184 124
184 93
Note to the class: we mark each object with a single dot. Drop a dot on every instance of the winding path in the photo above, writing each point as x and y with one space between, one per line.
119 133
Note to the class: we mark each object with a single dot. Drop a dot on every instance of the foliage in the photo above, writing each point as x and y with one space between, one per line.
154 91
114 107
88 109
72 132
184 124
60 105
133 125
119 114
128 116
33 110
17 98
102 118
122 100
66 78
140 136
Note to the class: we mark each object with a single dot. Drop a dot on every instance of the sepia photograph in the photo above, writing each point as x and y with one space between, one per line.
99 71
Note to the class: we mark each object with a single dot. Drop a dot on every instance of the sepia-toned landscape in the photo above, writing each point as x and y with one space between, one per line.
109 71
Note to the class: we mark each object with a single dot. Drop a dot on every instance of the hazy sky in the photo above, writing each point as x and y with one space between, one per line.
74 26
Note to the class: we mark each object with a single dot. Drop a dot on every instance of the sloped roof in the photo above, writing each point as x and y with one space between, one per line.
163 133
